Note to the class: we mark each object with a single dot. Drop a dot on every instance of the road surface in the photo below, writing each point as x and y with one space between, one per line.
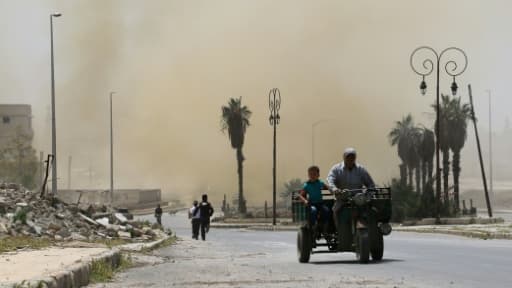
238 258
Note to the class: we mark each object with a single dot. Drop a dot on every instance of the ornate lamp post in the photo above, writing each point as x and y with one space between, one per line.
452 69
274 100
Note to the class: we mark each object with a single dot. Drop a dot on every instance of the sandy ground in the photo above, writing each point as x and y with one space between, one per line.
18 266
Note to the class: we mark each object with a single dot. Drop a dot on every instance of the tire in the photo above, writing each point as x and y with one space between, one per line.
377 250
363 246
304 245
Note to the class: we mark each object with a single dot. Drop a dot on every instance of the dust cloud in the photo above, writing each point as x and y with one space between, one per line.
174 63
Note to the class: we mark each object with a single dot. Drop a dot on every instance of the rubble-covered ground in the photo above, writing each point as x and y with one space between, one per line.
25 213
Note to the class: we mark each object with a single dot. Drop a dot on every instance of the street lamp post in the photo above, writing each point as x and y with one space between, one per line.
274 99
111 153
426 69
54 132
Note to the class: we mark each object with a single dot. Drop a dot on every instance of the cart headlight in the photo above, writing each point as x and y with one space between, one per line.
360 199
385 228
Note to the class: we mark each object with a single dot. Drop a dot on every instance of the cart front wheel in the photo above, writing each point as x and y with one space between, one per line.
363 246
304 245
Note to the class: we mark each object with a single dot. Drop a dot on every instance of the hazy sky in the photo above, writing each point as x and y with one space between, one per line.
174 63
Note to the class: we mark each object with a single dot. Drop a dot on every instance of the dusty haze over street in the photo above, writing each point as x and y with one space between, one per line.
174 63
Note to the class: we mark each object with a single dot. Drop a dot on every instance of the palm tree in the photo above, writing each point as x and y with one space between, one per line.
413 157
444 111
400 136
235 119
427 151
458 118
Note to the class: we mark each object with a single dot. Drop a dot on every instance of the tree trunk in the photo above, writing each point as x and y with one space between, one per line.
411 174
446 174
241 200
403 174
456 174
430 168
423 175
418 179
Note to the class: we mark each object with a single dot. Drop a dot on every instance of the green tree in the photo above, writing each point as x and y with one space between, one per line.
235 120
289 187
405 203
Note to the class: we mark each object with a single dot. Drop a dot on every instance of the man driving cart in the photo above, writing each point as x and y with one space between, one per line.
342 177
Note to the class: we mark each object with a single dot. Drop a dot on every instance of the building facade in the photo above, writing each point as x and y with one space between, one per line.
13 118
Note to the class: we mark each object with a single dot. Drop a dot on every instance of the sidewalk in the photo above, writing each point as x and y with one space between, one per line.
62 266
490 231
43 264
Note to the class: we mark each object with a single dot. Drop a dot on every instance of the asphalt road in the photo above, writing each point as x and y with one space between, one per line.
237 258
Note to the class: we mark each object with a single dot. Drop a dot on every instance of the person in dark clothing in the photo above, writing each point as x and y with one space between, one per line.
158 215
195 216
206 211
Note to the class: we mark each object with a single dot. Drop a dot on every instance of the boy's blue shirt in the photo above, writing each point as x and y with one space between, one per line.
314 190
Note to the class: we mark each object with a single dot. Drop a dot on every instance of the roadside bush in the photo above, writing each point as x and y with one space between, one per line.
405 201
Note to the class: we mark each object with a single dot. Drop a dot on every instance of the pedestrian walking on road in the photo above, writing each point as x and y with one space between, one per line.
195 215
206 211
158 215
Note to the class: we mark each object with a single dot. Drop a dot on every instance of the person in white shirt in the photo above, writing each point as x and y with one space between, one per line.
195 214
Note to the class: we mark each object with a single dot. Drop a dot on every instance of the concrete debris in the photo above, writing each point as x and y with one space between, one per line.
121 218
22 212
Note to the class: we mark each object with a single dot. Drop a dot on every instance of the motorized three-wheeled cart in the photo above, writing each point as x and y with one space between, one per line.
362 222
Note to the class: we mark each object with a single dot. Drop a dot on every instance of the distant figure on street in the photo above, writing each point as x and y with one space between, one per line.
194 214
206 211
158 215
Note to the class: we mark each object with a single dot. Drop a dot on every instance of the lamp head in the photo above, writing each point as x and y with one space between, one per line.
423 88
454 88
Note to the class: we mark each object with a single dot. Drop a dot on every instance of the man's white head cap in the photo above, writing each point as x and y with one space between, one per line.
349 151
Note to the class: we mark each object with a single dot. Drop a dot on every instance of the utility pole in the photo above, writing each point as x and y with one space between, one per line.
69 171
473 117
491 190
41 167
111 153
54 128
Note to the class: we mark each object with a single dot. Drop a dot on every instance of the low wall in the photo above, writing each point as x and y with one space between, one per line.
129 198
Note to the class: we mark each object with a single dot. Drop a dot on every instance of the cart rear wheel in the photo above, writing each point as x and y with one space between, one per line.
304 245
377 250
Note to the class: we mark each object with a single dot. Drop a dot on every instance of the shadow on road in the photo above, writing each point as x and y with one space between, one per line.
354 262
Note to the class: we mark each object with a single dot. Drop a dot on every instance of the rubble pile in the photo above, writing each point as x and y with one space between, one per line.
23 212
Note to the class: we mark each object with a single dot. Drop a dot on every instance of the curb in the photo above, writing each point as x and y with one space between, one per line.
274 228
469 234
78 275
257 227
137 247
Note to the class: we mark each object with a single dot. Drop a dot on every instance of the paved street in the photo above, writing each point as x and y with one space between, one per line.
236 258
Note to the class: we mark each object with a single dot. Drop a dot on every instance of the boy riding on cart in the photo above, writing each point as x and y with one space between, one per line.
311 194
